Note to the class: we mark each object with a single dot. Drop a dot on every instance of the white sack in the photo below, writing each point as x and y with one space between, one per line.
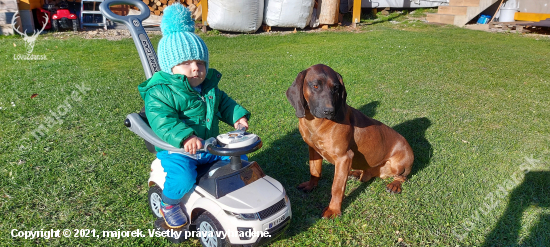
288 13
235 15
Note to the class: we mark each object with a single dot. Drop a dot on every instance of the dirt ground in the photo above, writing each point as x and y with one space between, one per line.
120 32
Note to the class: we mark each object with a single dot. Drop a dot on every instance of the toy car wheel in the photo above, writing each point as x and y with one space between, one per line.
75 25
155 197
207 225
108 23
55 25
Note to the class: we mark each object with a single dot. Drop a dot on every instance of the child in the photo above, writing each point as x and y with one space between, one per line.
184 105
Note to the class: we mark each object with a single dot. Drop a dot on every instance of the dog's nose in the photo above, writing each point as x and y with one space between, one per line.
329 111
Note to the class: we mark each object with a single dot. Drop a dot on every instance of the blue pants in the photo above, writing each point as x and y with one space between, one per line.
181 172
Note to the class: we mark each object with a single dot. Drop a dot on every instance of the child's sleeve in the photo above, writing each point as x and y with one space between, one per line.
164 120
229 110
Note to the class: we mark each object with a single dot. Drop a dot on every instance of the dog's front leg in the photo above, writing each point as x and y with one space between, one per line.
341 171
315 166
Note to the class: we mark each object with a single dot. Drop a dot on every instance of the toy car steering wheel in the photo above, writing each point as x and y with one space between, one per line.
234 143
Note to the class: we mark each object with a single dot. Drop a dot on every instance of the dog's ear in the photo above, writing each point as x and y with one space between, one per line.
295 95
341 113
343 91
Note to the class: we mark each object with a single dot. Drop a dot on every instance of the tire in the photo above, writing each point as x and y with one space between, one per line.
75 25
207 223
154 198
108 24
55 25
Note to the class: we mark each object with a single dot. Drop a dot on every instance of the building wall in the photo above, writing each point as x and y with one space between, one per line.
534 6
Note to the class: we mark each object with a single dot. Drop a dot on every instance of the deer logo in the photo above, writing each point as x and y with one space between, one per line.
29 40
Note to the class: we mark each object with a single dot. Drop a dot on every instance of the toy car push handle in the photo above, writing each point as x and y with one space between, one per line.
136 124
145 49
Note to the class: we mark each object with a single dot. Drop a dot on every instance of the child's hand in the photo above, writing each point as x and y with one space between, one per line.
243 122
192 144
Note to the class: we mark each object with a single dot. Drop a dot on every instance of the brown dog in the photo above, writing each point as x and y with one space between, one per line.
344 136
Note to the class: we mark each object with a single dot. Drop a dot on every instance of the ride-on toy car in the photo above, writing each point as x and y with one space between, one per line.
233 202
64 19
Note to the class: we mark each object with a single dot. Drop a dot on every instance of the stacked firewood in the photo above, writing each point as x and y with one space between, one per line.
157 6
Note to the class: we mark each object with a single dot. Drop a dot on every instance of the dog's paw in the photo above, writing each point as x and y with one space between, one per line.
331 214
394 187
307 186
355 174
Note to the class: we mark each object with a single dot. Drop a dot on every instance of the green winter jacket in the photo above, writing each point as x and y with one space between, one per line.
176 111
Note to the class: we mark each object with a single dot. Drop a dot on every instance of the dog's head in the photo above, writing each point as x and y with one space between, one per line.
320 90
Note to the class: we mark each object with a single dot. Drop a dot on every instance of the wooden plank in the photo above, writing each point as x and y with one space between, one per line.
356 16
509 26
204 4
500 5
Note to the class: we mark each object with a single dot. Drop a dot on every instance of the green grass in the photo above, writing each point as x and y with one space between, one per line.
473 105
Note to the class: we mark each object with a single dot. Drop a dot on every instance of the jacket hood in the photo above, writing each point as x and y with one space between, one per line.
178 81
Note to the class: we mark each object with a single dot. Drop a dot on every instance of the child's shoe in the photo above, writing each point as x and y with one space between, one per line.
173 215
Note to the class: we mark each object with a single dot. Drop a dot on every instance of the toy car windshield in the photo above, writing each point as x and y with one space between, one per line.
229 183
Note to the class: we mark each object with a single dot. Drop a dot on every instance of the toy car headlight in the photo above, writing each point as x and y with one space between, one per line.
249 216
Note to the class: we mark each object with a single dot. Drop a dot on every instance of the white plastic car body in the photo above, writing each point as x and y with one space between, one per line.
233 202
260 207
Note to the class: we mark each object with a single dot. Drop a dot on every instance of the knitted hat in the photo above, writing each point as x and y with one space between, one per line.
179 43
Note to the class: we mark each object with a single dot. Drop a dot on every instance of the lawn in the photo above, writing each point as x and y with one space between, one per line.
473 105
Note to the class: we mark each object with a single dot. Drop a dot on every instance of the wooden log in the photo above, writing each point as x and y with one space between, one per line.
328 11
151 8
197 14
192 8
163 2
157 12
188 2
146 2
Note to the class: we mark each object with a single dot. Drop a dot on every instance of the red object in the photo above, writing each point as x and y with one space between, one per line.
40 17
63 13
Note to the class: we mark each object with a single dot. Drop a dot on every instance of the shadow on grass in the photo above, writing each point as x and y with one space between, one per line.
287 161
534 191
369 18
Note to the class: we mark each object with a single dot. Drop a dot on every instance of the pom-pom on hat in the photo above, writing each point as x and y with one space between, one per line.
179 43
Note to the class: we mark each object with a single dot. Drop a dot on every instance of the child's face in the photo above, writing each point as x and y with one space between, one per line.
195 71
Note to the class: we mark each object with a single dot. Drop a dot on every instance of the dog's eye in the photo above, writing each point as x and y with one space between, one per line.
315 86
